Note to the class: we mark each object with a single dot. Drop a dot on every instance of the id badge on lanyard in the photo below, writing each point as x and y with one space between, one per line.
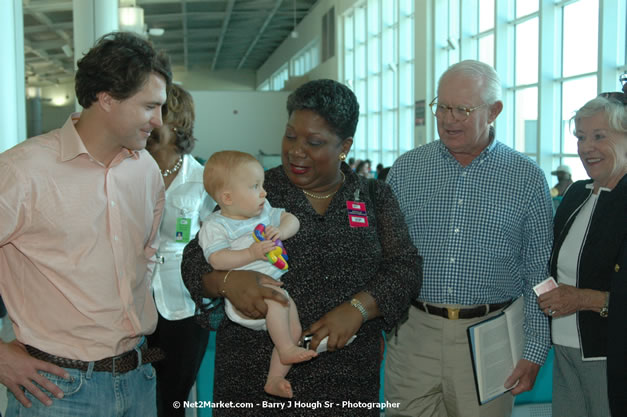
183 229
357 213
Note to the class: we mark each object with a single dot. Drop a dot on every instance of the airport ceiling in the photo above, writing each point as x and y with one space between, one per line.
197 34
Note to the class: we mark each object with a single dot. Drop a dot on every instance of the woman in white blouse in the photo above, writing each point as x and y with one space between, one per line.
590 225
187 204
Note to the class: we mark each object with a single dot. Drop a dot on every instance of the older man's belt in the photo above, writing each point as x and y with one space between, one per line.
116 364
459 313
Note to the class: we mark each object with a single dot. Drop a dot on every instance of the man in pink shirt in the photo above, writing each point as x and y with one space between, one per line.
80 209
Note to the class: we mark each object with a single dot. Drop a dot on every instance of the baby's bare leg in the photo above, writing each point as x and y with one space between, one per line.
276 384
281 325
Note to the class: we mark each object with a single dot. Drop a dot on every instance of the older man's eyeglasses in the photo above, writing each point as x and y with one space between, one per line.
459 113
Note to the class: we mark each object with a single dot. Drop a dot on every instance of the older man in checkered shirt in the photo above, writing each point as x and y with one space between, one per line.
480 214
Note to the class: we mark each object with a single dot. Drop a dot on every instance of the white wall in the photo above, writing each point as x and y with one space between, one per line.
218 80
239 120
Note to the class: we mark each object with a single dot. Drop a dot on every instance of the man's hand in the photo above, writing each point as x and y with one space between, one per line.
525 375
246 290
19 369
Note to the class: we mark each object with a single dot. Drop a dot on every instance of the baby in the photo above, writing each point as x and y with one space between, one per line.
235 181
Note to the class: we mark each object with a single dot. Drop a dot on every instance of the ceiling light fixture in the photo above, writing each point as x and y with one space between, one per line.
294 34
131 17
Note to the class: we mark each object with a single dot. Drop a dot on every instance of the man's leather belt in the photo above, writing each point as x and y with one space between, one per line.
116 364
459 313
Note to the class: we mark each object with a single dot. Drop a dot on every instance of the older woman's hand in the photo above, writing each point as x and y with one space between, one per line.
566 299
340 324
560 301
246 290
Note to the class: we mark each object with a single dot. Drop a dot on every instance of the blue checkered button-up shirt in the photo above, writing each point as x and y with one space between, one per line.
484 230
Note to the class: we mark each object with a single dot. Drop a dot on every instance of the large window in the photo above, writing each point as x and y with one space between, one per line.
300 64
305 60
378 64
552 57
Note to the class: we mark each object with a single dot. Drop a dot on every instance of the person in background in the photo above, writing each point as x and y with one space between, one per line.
383 174
348 277
480 214
564 180
590 227
80 209
378 170
363 169
186 206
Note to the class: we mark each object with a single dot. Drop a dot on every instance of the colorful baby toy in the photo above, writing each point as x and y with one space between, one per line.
278 255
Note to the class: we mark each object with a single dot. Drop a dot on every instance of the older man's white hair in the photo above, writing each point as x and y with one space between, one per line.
491 90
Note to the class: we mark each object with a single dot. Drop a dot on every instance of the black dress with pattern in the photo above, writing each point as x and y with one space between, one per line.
329 262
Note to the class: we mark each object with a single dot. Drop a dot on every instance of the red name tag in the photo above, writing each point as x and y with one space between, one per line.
357 214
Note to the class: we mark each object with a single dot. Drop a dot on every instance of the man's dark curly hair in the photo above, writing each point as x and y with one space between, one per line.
119 64
333 101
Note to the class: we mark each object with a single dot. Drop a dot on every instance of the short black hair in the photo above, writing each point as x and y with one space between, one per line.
119 64
333 101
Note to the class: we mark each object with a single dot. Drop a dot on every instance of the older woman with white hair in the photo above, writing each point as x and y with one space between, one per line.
590 225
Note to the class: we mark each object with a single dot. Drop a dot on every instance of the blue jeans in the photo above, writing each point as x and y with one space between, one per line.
95 394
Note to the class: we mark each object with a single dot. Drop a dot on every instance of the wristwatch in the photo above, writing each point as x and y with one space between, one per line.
360 307
605 309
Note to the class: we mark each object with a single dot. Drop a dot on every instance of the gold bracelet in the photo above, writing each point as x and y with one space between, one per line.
223 290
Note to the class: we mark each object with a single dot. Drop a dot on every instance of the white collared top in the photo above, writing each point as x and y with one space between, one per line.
185 197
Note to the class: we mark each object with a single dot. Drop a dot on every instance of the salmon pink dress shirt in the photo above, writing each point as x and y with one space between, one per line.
77 245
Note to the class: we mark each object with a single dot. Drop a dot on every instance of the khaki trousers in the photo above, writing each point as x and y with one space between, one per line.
428 370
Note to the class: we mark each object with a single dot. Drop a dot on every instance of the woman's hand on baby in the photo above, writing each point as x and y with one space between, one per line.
258 250
247 291
340 324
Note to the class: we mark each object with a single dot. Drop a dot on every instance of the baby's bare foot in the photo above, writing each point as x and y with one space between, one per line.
295 354
279 386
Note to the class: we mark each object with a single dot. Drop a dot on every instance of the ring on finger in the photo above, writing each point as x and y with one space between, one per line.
551 312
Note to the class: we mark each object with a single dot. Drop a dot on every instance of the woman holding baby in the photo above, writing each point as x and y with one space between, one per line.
352 270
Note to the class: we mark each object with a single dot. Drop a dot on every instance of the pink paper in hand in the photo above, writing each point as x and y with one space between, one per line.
545 286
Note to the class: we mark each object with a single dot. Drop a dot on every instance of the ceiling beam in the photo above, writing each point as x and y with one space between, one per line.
47 6
177 34
46 57
261 30
225 24
172 17
28 30
184 25
42 18
146 2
